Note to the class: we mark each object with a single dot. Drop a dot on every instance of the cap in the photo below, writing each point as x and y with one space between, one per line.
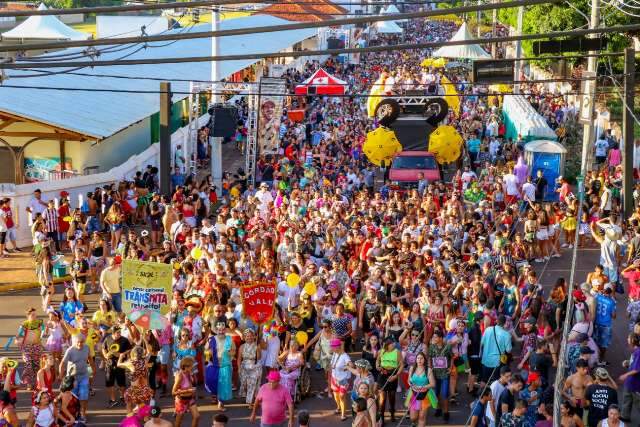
533 376
608 286
531 320
363 364
335 343
273 376
602 374
156 411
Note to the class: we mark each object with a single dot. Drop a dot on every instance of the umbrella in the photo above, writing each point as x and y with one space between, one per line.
380 146
148 319
446 143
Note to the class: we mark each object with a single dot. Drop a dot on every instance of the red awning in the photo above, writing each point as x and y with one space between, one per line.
321 83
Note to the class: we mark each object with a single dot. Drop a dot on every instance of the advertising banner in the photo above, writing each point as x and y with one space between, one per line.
258 300
270 114
146 285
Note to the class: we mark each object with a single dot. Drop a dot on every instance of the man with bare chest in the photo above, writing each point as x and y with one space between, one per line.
576 385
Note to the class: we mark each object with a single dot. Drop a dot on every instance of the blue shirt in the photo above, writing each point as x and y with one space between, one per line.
479 410
473 145
605 307
493 345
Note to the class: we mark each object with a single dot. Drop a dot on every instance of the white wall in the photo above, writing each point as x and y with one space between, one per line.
78 187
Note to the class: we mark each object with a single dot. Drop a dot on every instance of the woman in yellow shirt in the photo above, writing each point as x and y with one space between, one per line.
104 318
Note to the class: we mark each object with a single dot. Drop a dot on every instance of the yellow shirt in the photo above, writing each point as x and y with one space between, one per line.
92 338
110 280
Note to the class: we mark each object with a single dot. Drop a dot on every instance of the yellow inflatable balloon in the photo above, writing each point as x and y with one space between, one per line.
380 146
310 288
196 253
446 143
302 337
451 95
439 62
293 280
374 95
427 62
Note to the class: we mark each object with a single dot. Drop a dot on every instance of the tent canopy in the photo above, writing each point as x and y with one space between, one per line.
392 10
322 83
545 146
469 51
47 27
388 27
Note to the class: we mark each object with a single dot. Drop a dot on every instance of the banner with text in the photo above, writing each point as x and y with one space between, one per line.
258 300
146 285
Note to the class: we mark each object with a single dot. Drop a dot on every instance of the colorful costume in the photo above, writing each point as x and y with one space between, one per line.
218 372
31 351
250 372
139 391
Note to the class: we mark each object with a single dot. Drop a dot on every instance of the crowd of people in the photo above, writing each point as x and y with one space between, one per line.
419 296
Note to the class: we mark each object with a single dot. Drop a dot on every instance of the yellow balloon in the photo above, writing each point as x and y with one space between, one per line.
380 146
196 253
446 143
427 62
293 280
439 62
374 99
310 288
451 95
302 337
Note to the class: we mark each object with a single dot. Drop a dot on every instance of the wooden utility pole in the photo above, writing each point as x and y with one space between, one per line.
165 138
627 128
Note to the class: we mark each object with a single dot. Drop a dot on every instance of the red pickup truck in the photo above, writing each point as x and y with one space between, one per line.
407 165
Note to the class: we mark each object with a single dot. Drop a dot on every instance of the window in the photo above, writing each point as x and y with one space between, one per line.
414 162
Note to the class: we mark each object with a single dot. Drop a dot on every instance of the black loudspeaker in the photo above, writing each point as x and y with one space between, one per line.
223 120
412 131
335 43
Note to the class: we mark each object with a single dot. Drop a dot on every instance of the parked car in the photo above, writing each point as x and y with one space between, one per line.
406 167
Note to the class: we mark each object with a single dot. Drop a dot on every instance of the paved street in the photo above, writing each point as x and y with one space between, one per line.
14 304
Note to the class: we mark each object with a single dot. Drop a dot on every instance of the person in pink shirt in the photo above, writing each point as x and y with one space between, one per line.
632 273
275 400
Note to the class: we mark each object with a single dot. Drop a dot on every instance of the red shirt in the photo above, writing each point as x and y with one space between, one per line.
634 283
8 217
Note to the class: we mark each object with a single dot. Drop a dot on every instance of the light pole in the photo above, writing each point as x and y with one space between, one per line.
216 143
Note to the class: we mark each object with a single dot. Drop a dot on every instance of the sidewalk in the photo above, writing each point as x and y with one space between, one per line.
18 272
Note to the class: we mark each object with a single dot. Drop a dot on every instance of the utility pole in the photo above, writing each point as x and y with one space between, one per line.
517 69
494 30
478 20
627 128
592 67
216 143
165 138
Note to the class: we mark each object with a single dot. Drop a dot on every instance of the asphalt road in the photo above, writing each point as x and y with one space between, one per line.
14 304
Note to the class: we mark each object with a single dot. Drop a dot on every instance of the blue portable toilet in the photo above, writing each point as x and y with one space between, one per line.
548 156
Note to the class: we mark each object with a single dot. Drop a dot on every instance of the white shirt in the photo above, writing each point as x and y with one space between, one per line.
601 147
265 198
511 184
339 363
467 177
529 191
288 294
496 390
37 206
3 221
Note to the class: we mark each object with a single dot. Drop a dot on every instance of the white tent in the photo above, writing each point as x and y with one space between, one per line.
388 27
392 10
46 27
468 51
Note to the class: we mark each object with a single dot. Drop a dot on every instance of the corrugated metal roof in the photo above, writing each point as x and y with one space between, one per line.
102 114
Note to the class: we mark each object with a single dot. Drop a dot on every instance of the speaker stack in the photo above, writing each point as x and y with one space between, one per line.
223 121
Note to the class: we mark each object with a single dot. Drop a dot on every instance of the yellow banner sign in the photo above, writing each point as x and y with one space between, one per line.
146 285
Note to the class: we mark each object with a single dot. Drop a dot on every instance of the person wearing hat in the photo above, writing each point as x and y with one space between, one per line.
265 199
531 393
340 376
599 396
275 401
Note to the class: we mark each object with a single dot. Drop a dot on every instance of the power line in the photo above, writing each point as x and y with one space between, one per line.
361 95
177 5
258 56
275 28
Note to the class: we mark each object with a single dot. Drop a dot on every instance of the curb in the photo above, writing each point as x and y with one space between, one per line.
21 286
